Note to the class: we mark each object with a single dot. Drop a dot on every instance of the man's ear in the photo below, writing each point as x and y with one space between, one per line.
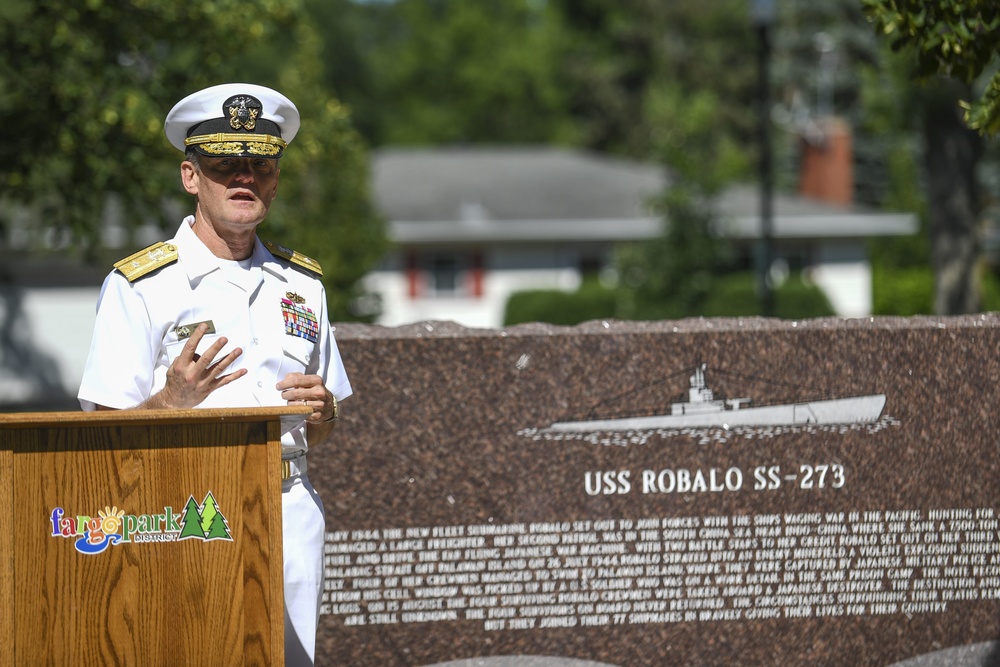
190 177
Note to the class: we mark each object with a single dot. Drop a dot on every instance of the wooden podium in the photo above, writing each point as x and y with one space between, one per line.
142 537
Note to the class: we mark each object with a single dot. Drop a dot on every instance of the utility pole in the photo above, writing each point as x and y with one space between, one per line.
763 14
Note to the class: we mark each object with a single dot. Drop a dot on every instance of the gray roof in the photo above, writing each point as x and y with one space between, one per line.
509 184
496 194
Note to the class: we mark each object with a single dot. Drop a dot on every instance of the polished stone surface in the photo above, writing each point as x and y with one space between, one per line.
449 427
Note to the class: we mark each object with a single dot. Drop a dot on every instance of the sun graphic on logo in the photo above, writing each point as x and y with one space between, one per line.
111 520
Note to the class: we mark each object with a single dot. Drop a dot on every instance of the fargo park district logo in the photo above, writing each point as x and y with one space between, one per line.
112 526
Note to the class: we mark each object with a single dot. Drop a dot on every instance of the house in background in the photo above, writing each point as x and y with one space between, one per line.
471 226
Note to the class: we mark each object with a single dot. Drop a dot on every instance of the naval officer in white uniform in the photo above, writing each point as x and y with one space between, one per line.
215 317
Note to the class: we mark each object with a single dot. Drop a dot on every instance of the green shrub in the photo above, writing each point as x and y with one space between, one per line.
732 295
902 291
592 301
735 295
797 299
990 295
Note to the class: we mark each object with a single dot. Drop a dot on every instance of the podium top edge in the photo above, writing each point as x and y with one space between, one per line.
106 417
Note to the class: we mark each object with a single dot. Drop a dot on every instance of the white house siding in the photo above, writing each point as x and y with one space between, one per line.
505 271
840 269
399 308
844 274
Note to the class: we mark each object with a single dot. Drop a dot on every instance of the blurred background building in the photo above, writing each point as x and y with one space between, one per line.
472 226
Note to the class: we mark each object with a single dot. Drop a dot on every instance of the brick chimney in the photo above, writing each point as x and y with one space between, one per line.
826 171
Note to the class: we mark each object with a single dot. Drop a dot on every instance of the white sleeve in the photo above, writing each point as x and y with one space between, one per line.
331 367
121 362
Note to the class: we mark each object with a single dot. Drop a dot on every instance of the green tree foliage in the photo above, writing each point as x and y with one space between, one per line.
349 33
620 52
828 61
888 173
956 38
673 275
323 203
452 71
595 73
825 58
521 71
86 87
904 138
648 80
891 177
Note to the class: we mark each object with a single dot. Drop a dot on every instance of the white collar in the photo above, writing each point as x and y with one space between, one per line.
198 261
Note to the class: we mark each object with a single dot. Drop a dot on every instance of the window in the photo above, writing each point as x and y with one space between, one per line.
445 273
442 272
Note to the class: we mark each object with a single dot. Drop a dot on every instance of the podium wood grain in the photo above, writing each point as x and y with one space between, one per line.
191 602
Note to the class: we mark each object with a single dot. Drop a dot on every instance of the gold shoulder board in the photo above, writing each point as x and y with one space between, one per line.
147 260
307 263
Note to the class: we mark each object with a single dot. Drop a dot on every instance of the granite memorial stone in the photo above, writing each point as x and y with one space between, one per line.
701 492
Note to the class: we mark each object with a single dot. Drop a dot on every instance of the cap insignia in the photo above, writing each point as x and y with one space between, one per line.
243 111
222 147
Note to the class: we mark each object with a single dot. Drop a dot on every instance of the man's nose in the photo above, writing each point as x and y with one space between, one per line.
244 171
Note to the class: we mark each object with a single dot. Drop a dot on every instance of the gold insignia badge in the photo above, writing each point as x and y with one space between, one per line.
223 147
243 112
257 148
294 298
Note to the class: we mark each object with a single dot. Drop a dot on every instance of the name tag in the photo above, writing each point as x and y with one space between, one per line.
184 331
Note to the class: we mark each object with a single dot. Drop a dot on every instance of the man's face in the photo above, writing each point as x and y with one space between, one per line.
233 192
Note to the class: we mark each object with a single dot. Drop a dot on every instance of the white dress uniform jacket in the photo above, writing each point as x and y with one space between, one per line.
276 312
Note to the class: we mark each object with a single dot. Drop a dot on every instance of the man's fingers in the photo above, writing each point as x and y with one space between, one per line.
311 396
190 350
224 362
223 380
312 392
302 389
208 356
292 381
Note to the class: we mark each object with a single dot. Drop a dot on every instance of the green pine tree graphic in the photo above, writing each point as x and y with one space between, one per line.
212 521
208 512
191 521
219 530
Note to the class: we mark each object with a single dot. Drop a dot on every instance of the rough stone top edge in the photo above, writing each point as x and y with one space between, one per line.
440 329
